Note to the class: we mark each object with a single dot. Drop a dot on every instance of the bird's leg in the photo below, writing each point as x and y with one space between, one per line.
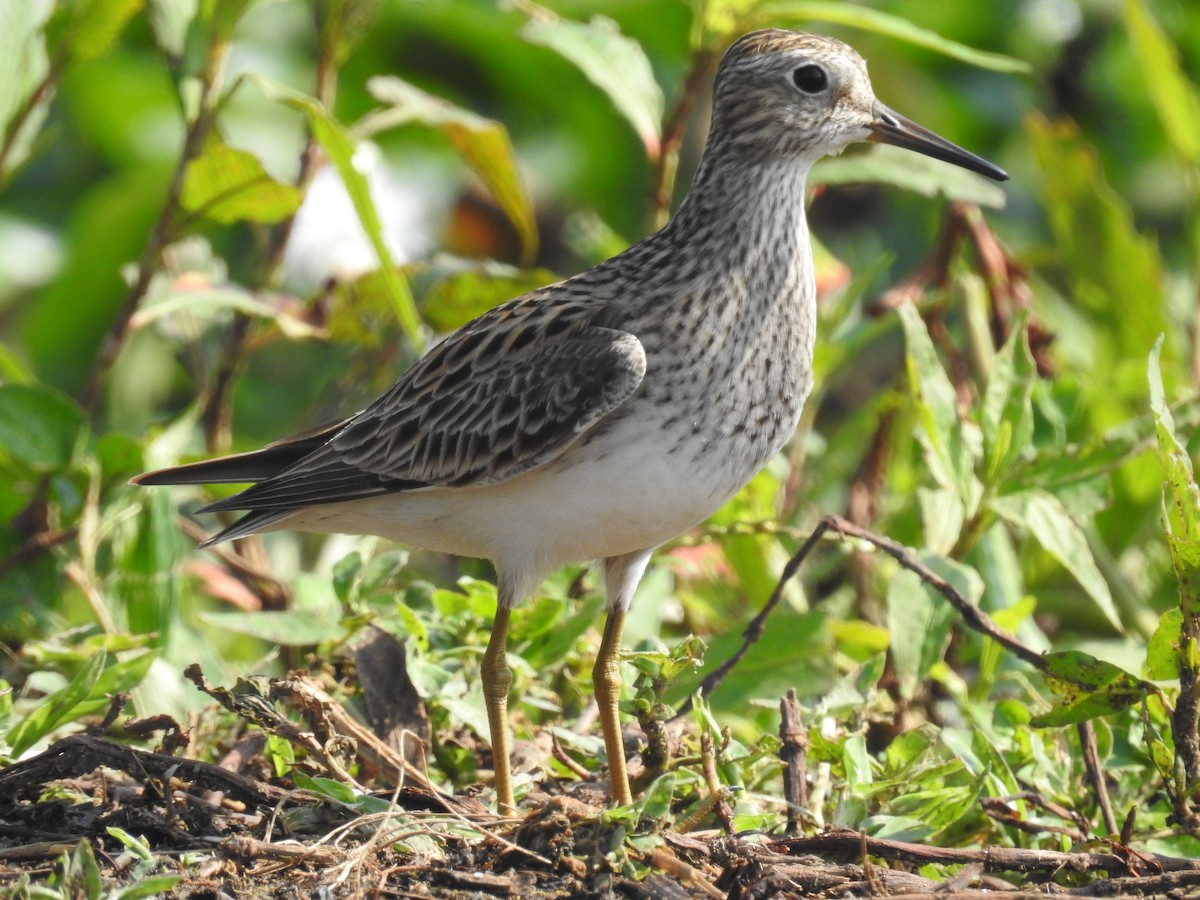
606 682
497 680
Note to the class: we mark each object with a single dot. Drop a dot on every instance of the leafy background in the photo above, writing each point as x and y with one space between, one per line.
197 195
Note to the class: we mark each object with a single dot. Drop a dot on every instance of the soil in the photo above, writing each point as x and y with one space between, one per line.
227 834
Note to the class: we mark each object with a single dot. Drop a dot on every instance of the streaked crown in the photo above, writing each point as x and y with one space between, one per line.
789 93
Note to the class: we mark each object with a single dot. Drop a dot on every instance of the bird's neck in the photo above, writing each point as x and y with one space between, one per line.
746 219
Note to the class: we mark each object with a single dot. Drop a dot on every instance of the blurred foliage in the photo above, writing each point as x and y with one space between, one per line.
198 195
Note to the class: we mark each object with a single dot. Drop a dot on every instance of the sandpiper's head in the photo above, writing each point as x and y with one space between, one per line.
809 95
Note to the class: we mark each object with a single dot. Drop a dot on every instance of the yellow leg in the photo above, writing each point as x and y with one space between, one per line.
497 680
606 681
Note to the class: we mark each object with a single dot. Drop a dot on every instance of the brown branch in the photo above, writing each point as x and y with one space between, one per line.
793 750
80 754
754 630
17 122
848 844
974 617
164 230
34 546
215 414
662 179
718 792
1095 774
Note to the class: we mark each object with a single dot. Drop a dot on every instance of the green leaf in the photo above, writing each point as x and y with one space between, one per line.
1114 274
1180 498
918 628
58 708
952 446
1174 97
938 808
170 20
885 164
1007 410
614 63
482 143
81 875
1163 650
229 185
458 297
205 303
39 426
346 23
878 22
1089 688
154 886
339 146
23 64
86 29
138 846
1044 516
290 628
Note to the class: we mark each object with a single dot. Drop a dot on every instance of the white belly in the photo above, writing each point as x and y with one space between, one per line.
616 495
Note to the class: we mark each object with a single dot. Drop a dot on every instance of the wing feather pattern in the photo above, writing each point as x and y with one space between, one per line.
509 392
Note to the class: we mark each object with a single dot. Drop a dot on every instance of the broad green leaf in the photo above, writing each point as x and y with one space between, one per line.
458 297
346 23
918 627
23 64
719 18
121 677
86 29
229 185
938 808
614 63
81 875
58 708
339 146
170 20
885 164
941 517
482 143
39 426
1044 516
1174 97
1007 410
795 651
952 446
153 886
1089 688
873 20
1114 273
291 628
206 302
1180 499
1162 652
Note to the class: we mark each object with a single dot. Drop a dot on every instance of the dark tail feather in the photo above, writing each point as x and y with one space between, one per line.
247 525
240 468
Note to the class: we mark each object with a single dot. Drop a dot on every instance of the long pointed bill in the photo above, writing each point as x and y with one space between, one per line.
892 128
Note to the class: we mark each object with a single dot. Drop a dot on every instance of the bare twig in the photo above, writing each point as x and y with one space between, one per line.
215 413
1095 774
717 791
974 617
164 230
662 180
794 752
993 859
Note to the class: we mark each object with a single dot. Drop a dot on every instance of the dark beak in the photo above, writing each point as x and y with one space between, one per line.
892 128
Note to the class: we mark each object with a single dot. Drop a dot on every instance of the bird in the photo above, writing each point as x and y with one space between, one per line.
597 418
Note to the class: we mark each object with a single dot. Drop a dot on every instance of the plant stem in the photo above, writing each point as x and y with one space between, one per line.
164 230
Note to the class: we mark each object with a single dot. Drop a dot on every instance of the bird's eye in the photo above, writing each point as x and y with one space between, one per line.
811 79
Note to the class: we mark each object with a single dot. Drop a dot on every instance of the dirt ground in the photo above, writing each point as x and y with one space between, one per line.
226 834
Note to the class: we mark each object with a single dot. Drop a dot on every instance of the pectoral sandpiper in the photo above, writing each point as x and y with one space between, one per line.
597 418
